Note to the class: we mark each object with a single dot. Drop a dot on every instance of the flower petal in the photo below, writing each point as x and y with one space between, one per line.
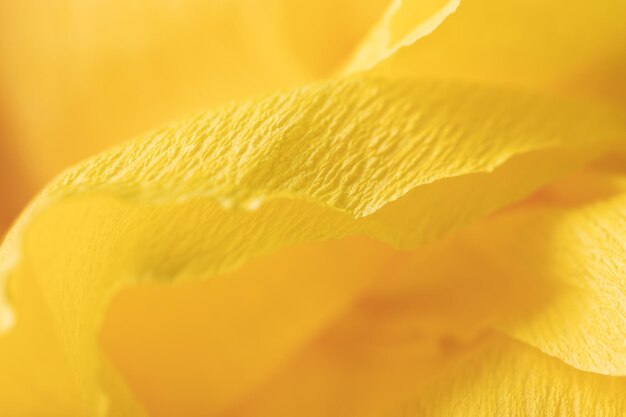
196 199
493 376
581 251
403 24
568 46
114 69
412 329
501 377
235 329
423 308
547 272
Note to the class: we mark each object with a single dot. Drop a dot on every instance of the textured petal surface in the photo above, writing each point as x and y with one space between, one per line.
421 327
582 252
196 199
521 381
382 376
114 69
548 272
398 330
567 46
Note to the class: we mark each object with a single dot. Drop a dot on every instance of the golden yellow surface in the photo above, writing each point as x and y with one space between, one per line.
344 209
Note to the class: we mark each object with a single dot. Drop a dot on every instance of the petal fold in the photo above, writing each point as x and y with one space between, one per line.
571 47
404 23
501 377
203 196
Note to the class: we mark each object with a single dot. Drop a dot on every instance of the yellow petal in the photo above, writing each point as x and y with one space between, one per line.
389 335
396 342
581 252
201 197
114 69
569 46
403 24
429 306
362 364
233 330
501 377
363 371
548 272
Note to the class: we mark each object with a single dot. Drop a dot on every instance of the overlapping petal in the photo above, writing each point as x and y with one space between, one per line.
409 331
581 251
403 161
196 199
420 341
77 77
402 24
567 46
548 272
521 381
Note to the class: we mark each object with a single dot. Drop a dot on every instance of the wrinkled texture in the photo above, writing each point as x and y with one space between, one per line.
428 317
118 220
115 69
399 241
542 386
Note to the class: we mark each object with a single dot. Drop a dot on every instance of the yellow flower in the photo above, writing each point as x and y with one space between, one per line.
405 209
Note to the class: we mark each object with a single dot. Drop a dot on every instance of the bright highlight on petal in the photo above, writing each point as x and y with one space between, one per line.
403 24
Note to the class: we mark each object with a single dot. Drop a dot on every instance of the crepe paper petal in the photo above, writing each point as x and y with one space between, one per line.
35 380
580 249
502 377
427 308
548 272
353 144
401 25
447 294
443 295
203 196
572 47
114 69
37 377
